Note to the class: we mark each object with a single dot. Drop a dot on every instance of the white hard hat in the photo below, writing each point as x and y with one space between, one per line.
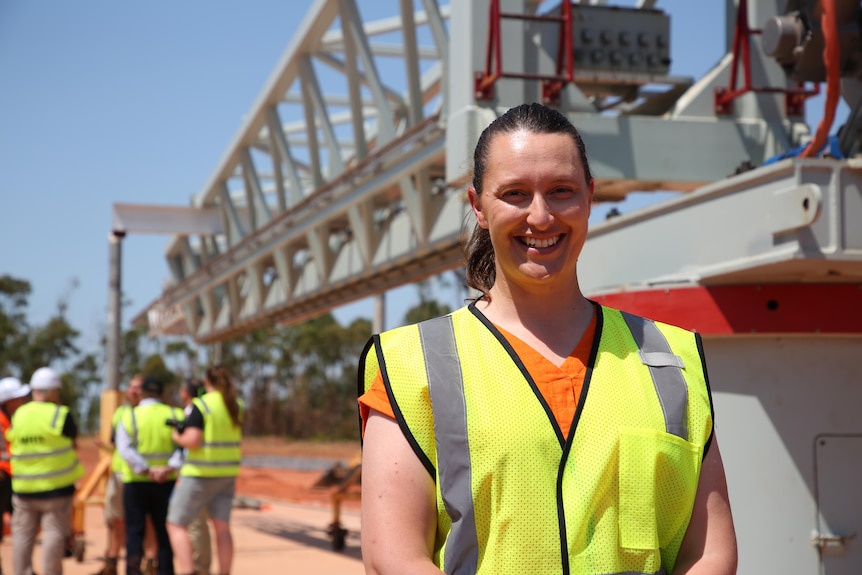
12 388
45 378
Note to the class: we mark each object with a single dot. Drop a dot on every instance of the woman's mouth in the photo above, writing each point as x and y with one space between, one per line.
532 242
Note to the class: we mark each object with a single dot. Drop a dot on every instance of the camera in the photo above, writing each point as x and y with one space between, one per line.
179 424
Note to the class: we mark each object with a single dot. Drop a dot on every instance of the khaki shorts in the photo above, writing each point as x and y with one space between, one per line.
193 494
113 499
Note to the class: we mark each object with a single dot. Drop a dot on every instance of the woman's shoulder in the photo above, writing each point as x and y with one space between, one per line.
609 314
403 330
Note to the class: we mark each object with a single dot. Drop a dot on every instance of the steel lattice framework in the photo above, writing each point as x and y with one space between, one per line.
318 188
347 176
326 196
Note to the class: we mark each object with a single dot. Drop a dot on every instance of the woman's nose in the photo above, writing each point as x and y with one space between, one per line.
540 214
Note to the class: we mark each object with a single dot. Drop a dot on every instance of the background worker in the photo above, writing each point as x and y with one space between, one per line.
199 530
13 394
212 435
537 431
114 496
45 467
144 441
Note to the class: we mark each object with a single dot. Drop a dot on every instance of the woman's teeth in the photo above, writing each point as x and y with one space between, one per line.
546 243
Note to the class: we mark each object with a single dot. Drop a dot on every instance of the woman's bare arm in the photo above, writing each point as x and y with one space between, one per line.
399 517
709 546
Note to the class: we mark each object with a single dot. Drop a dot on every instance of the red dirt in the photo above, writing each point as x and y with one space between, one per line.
274 484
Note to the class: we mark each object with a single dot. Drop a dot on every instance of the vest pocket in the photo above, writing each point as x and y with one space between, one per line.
658 475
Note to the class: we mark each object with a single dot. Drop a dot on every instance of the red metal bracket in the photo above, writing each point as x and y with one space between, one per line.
794 99
484 81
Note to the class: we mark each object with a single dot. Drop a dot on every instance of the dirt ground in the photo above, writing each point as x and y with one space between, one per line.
268 484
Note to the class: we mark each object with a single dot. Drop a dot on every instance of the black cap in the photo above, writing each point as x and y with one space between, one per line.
152 385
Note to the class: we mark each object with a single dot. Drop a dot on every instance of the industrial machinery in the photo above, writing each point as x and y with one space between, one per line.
326 197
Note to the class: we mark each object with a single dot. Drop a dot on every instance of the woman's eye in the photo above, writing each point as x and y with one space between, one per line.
513 194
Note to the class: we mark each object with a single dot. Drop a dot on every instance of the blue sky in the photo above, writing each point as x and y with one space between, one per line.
104 101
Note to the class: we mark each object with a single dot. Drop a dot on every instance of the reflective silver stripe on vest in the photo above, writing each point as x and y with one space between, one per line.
4 451
446 388
134 438
219 444
664 367
69 469
56 415
41 455
206 407
212 463
154 456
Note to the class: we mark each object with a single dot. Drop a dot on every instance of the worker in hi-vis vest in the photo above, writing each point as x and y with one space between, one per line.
151 457
534 430
45 467
114 516
198 529
13 394
211 434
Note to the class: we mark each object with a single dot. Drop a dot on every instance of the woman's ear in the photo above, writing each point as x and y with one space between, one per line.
476 204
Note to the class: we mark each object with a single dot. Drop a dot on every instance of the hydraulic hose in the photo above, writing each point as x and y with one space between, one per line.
831 59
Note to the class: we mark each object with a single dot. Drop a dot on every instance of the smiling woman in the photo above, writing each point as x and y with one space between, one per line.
533 201
535 431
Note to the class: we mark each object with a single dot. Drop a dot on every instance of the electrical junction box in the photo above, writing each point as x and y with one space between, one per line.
613 38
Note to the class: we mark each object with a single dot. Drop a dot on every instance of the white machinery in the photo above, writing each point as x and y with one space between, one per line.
326 198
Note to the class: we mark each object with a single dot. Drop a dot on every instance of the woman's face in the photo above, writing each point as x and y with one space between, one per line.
535 204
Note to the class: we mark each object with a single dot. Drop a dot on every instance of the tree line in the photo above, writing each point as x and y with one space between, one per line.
298 381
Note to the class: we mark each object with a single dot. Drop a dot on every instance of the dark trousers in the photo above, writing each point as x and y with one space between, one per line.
5 499
139 501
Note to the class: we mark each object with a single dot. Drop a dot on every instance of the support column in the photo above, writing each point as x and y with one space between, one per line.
379 323
111 393
115 293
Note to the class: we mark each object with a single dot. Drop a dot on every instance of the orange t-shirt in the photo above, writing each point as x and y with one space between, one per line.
560 386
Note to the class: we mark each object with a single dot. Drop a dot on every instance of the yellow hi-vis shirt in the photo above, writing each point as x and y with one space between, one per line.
151 437
219 453
43 459
119 466
515 496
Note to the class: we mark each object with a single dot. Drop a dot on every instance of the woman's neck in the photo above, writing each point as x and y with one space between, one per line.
552 324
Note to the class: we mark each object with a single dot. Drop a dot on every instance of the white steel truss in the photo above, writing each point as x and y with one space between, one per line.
318 188
347 176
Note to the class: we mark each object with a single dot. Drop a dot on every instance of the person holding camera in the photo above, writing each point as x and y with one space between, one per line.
212 436
144 441
199 531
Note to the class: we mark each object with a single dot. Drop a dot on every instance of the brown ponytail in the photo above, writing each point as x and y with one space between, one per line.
221 381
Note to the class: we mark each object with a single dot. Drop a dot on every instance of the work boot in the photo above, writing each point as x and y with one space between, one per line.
149 566
109 568
133 566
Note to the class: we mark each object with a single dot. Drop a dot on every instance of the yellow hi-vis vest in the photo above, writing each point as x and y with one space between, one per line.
43 459
150 436
219 452
118 464
513 495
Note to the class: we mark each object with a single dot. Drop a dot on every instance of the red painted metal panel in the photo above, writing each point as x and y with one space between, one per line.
735 309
